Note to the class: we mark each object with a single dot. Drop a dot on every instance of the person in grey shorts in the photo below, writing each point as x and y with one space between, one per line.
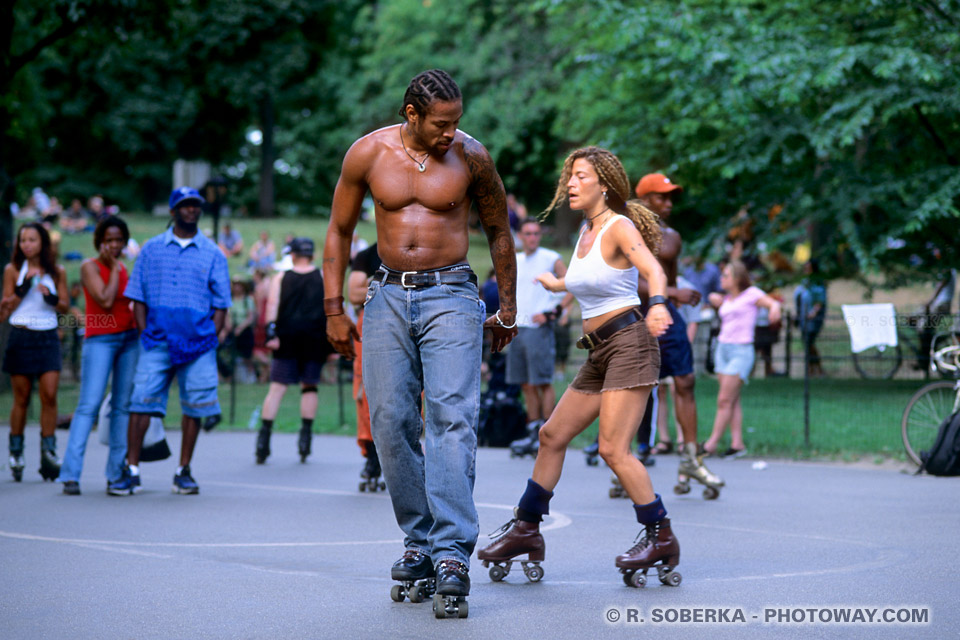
531 356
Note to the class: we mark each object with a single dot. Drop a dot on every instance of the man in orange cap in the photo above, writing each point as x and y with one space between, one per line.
657 192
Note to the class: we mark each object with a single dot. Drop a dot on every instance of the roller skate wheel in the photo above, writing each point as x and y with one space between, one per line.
626 579
397 593
672 579
363 486
416 594
303 458
463 609
534 574
711 493
439 607
638 580
681 489
497 573
592 462
615 492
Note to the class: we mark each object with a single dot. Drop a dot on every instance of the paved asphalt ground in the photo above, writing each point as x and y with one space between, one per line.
290 550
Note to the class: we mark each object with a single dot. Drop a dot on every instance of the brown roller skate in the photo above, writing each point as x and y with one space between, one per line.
515 538
656 548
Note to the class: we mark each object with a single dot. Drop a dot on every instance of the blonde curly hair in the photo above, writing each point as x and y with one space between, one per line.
612 176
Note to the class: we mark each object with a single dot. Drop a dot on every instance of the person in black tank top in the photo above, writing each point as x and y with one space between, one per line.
296 332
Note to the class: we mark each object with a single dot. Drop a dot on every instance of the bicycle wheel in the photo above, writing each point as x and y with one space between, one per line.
925 412
879 362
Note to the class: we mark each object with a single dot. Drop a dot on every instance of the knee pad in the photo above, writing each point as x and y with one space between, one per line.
310 388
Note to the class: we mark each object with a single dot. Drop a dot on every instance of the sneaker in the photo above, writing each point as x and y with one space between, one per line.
71 488
127 485
184 484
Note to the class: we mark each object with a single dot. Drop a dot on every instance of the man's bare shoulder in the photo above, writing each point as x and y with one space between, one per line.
364 151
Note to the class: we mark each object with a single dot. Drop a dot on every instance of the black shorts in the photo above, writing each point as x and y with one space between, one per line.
295 370
32 353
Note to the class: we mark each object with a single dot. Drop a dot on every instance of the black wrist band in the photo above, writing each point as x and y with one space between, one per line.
52 299
271 330
21 291
656 300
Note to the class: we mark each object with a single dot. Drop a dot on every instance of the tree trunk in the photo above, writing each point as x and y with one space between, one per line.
267 156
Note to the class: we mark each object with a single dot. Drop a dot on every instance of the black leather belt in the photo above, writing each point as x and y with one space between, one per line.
420 279
595 338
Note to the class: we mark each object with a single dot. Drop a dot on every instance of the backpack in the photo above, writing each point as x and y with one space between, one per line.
943 459
502 419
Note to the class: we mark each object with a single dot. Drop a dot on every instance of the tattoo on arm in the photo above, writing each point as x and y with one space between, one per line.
487 191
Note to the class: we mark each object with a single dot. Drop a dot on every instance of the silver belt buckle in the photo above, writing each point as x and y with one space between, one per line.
403 281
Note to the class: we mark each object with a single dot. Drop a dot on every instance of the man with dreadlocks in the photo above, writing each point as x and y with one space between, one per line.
618 241
424 321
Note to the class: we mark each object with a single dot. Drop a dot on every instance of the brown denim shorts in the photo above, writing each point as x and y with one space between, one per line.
629 358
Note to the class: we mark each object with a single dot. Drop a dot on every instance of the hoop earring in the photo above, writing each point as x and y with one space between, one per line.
605 196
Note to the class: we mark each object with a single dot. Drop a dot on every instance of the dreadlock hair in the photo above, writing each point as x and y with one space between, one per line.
612 176
429 87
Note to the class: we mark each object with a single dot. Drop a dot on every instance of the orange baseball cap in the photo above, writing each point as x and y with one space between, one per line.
655 183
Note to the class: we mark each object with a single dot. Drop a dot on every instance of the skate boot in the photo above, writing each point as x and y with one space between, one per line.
370 476
16 457
49 463
414 570
306 437
529 445
656 548
263 445
692 467
515 538
453 587
645 454
592 452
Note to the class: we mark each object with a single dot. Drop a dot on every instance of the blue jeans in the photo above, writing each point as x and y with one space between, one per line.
197 381
116 353
429 339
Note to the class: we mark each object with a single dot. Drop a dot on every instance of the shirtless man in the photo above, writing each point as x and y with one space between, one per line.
656 192
423 318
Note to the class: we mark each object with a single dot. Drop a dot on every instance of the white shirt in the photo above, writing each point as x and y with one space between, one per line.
532 298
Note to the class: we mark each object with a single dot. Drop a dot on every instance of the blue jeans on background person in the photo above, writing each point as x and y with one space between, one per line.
114 353
429 339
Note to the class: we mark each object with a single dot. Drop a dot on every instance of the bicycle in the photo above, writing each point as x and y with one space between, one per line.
932 404
881 362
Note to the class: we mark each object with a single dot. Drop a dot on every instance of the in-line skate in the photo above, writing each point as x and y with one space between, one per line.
49 463
414 571
656 548
263 445
530 445
17 462
306 438
515 538
453 587
370 475
592 453
692 467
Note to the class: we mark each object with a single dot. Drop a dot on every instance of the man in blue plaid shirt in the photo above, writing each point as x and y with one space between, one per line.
181 290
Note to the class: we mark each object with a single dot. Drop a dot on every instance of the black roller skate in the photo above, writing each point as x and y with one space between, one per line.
414 571
658 549
370 475
592 452
49 463
263 445
645 454
306 438
515 538
16 458
530 445
453 587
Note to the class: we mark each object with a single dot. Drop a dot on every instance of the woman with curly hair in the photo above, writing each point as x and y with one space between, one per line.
618 241
34 291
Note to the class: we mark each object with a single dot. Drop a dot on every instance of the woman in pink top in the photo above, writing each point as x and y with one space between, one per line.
734 350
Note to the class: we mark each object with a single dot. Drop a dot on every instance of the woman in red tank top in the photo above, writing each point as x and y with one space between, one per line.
109 346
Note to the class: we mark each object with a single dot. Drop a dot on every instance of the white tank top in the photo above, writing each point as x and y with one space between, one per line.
32 312
598 287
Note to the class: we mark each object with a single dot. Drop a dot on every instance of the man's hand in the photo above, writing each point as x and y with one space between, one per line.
658 319
501 335
341 332
687 296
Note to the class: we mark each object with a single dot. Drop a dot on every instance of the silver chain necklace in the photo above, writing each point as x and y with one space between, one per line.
422 166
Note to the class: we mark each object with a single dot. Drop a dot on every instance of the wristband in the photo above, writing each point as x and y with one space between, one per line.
271 330
52 299
333 306
656 300
500 322
21 290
